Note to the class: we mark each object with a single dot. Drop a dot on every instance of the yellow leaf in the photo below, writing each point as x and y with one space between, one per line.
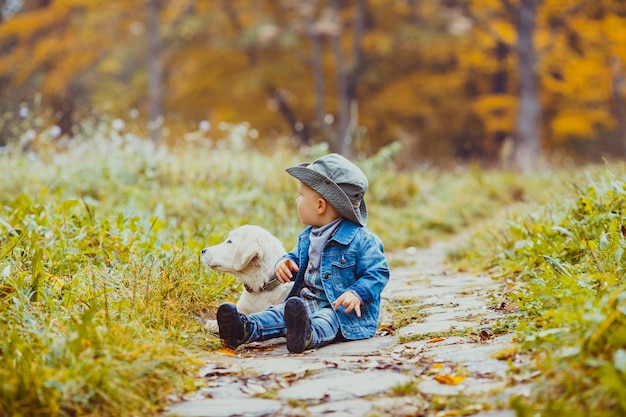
505 354
449 379
436 339
225 352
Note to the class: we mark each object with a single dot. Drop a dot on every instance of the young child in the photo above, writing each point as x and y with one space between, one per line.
338 265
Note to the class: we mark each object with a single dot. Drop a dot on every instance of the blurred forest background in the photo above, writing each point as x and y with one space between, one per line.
502 82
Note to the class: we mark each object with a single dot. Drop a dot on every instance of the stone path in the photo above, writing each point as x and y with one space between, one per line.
445 361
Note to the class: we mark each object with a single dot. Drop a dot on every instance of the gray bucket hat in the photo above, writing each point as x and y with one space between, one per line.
339 181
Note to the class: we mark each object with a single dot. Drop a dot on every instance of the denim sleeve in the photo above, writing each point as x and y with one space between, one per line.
372 270
293 255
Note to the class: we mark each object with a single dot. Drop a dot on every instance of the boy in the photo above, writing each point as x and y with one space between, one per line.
339 265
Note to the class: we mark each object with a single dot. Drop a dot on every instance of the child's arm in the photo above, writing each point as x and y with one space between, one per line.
372 274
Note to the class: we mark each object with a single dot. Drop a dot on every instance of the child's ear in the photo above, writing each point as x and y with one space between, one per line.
321 206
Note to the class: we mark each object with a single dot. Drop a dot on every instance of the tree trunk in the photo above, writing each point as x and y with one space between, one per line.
343 101
319 84
499 86
155 72
347 80
617 85
527 150
300 130
64 107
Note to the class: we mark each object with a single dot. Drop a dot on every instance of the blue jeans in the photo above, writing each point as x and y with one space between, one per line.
270 323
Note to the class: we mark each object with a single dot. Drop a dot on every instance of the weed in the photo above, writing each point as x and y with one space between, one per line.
566 262
406 311
405 389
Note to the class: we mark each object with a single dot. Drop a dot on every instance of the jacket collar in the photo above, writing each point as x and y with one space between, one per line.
343 235
345 232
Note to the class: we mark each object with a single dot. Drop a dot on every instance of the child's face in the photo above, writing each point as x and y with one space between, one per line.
307 205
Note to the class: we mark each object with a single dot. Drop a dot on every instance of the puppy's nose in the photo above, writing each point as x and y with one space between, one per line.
203 251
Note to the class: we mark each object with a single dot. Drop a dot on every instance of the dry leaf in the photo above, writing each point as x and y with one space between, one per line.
449 379
225 352
212 370
485 334
436 339
505 354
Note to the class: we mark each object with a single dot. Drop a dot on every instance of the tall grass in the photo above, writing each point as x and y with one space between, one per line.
102 291
564 267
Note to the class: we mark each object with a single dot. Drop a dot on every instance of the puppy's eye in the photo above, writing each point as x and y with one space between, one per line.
229 241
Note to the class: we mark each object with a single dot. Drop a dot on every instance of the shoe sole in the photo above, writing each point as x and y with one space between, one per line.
226 318
296 322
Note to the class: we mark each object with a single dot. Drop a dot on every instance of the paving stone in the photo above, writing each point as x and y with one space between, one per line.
357 347
487 367
347 408
413 405
245 407
469 352
229 387
470 386
479 386
341 385
451 314
277 365
442 327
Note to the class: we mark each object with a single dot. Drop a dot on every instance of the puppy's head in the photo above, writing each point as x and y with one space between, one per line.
239 251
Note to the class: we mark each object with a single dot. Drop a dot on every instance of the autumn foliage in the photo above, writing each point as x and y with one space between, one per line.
445 79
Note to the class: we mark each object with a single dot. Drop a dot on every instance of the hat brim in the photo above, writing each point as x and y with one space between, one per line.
331 192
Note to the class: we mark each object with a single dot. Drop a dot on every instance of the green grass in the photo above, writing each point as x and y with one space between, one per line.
102 290
407 311
563 264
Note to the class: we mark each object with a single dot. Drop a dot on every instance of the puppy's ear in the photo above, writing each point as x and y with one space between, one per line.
246 251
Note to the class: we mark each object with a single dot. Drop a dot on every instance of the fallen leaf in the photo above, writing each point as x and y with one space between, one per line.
449 379
386 327
264 349
485 334
507 307
505 354
436 339
226 352
212 370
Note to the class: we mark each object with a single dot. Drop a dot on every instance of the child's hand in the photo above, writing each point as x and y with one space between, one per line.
349 301
284 268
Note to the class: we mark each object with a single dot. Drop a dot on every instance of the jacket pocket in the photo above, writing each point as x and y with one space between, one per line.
343 268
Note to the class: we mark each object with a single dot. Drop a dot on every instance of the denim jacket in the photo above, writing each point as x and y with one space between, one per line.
353 259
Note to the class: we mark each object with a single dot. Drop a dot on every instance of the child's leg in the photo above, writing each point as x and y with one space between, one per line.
236 328
268 324
308 332
325 326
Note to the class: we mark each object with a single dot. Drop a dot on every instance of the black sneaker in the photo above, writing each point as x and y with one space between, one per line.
299 335
233 326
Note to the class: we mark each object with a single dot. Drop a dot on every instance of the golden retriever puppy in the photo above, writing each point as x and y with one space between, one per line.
250 253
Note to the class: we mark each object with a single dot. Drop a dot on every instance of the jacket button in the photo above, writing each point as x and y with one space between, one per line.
326 276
